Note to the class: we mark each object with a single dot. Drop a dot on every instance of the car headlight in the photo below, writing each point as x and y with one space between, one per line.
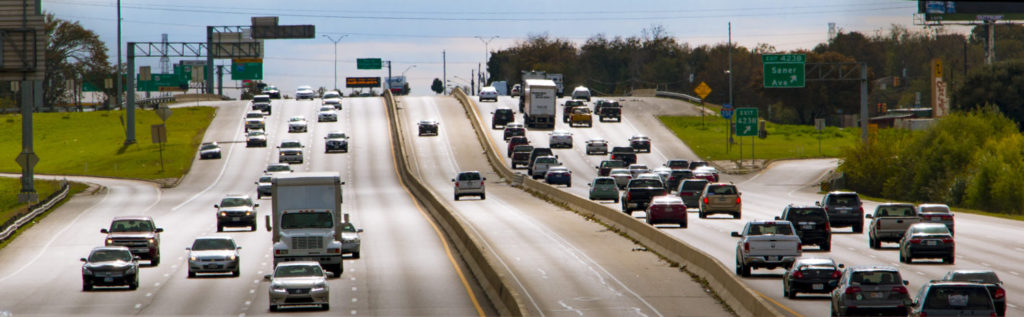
223 214
110 241
278 288
192 258
248 213
130 270
319 287
232 257
151 240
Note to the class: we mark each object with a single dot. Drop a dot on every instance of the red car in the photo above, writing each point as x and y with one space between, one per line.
666 209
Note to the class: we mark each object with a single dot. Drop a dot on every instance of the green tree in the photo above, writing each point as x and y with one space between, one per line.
437 86
74 53
1001 84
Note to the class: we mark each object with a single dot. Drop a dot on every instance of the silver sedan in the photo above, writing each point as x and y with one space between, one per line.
299 283
213 255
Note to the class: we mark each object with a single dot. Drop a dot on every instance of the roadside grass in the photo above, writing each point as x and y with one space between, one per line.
9 206
784 141
92 143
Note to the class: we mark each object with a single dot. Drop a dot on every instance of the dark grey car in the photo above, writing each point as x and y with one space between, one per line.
944 298
110 266
869 290
689 190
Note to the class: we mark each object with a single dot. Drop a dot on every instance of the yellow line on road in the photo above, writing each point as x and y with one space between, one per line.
780 305
444 242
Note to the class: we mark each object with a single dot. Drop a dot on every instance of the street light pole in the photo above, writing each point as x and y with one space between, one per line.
487 51
117 97
335 56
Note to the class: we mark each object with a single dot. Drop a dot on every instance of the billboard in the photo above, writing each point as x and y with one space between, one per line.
970 10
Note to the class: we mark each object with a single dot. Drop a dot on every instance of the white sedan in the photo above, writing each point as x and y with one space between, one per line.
327 114
560 139
304 92
597 146
297 124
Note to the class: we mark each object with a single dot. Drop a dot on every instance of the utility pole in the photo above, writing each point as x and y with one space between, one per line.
487 53
118 79
444 71
730 84
389 76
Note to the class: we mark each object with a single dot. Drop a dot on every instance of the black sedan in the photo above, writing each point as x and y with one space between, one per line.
640 143
427 127
336 141
209 150
811 275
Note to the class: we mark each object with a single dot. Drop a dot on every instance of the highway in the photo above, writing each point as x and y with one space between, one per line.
563 264
982 242
405 267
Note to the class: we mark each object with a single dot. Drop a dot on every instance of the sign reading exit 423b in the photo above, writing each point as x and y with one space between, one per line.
746 121
784 70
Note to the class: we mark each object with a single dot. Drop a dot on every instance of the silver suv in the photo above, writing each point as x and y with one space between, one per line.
469 183
869 290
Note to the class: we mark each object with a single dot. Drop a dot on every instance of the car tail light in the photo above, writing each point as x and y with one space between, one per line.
947 217
799 247
629 196
746 246
878 225
924 314
852 290
861 210
333 250
481 183
899 289
685 194
705 200
828 227
280 251
915 240
798 274
737 199
836 274
947 240
1000 293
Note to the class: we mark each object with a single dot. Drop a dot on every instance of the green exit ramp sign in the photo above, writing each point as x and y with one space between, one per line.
369 63
784 70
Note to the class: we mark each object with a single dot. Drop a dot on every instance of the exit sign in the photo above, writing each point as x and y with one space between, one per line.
784 70
368 63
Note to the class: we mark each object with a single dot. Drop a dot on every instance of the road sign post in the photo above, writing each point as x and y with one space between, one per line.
746 125
784 70
702 91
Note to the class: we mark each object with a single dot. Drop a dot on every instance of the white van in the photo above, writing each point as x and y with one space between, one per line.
581 93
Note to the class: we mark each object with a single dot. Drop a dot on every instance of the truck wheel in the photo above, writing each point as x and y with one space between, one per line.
858 227
220 228
326 307
336 268
746 271
736 215
949 259
355 255
483 196
683 224
456 197
191 274
827 246
238 270
86 286
702 215
134 285
569 184
874 243
252 227
273 307
155 261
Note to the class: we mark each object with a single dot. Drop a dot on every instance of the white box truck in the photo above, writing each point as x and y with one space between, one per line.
559 83
539 97
306 218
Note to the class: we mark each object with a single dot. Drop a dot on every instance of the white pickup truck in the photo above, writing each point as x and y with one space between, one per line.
766 244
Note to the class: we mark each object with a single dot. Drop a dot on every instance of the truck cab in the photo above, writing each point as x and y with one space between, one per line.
889 222
138 233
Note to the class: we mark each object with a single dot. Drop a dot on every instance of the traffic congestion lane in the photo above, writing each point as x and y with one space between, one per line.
561 262
186 212
765 195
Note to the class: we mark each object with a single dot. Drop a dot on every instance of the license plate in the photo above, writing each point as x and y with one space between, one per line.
773 258
808 227
876 295
212 266
108 279
235 218
818 286
140 250
931 242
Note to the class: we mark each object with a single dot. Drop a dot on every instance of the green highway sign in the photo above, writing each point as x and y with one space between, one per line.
784 70
746 121
369 63
161 82
247 69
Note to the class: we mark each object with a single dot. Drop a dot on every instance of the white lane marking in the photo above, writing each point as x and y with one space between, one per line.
55 236
353 288
1014 273
919 273
638 311
1019 249
167 275
241 315
1011 305
256 281
149 294
157 284
247 303
986 264
570 308
223 168
137 306
252 291
353 278
543 275
355 299
353 312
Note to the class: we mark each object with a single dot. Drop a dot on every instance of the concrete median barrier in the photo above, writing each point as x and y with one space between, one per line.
496 285
744 300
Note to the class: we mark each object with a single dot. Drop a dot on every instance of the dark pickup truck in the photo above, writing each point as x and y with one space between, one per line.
624 153
610 112
521 155
639 193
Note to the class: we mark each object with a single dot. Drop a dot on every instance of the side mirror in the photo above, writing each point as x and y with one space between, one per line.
188 248
869 216
216 206
84 260
483 178
136 258
159 230
104 231
735 234
255 205
778 218
267 277
906 282
453 179
343 183
817 203
359 230
238 248
842 266
589 184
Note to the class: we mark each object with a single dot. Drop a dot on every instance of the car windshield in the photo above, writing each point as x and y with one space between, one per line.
975 277
235 202
335 135
131 226
254 115
261 99
875 278
305 88
331 95
469 176
302 220
722 190
110 255
757 229
256 133
213 244
645 183
298 271
807 213
522 148
694 185
938 229
208 147
348 227
290 144
546 160
265 179
296 119
895 211
604 181
845 201
619 172
678 163
278 168
934 209
326 108
957 297
613 163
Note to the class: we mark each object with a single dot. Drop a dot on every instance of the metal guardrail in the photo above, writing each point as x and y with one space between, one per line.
37 210
676 95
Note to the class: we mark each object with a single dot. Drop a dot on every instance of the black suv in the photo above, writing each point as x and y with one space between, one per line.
539 151
501 117
811 223
624 153
844 210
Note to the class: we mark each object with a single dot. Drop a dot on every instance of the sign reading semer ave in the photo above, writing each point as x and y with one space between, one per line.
784 70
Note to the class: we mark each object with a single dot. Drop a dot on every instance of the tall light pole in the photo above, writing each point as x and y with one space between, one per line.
487 51
117 97
335 56
407 69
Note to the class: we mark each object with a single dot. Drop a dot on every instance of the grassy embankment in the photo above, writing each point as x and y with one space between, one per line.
784 141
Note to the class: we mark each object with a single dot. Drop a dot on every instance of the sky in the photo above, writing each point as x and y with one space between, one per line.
412 34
